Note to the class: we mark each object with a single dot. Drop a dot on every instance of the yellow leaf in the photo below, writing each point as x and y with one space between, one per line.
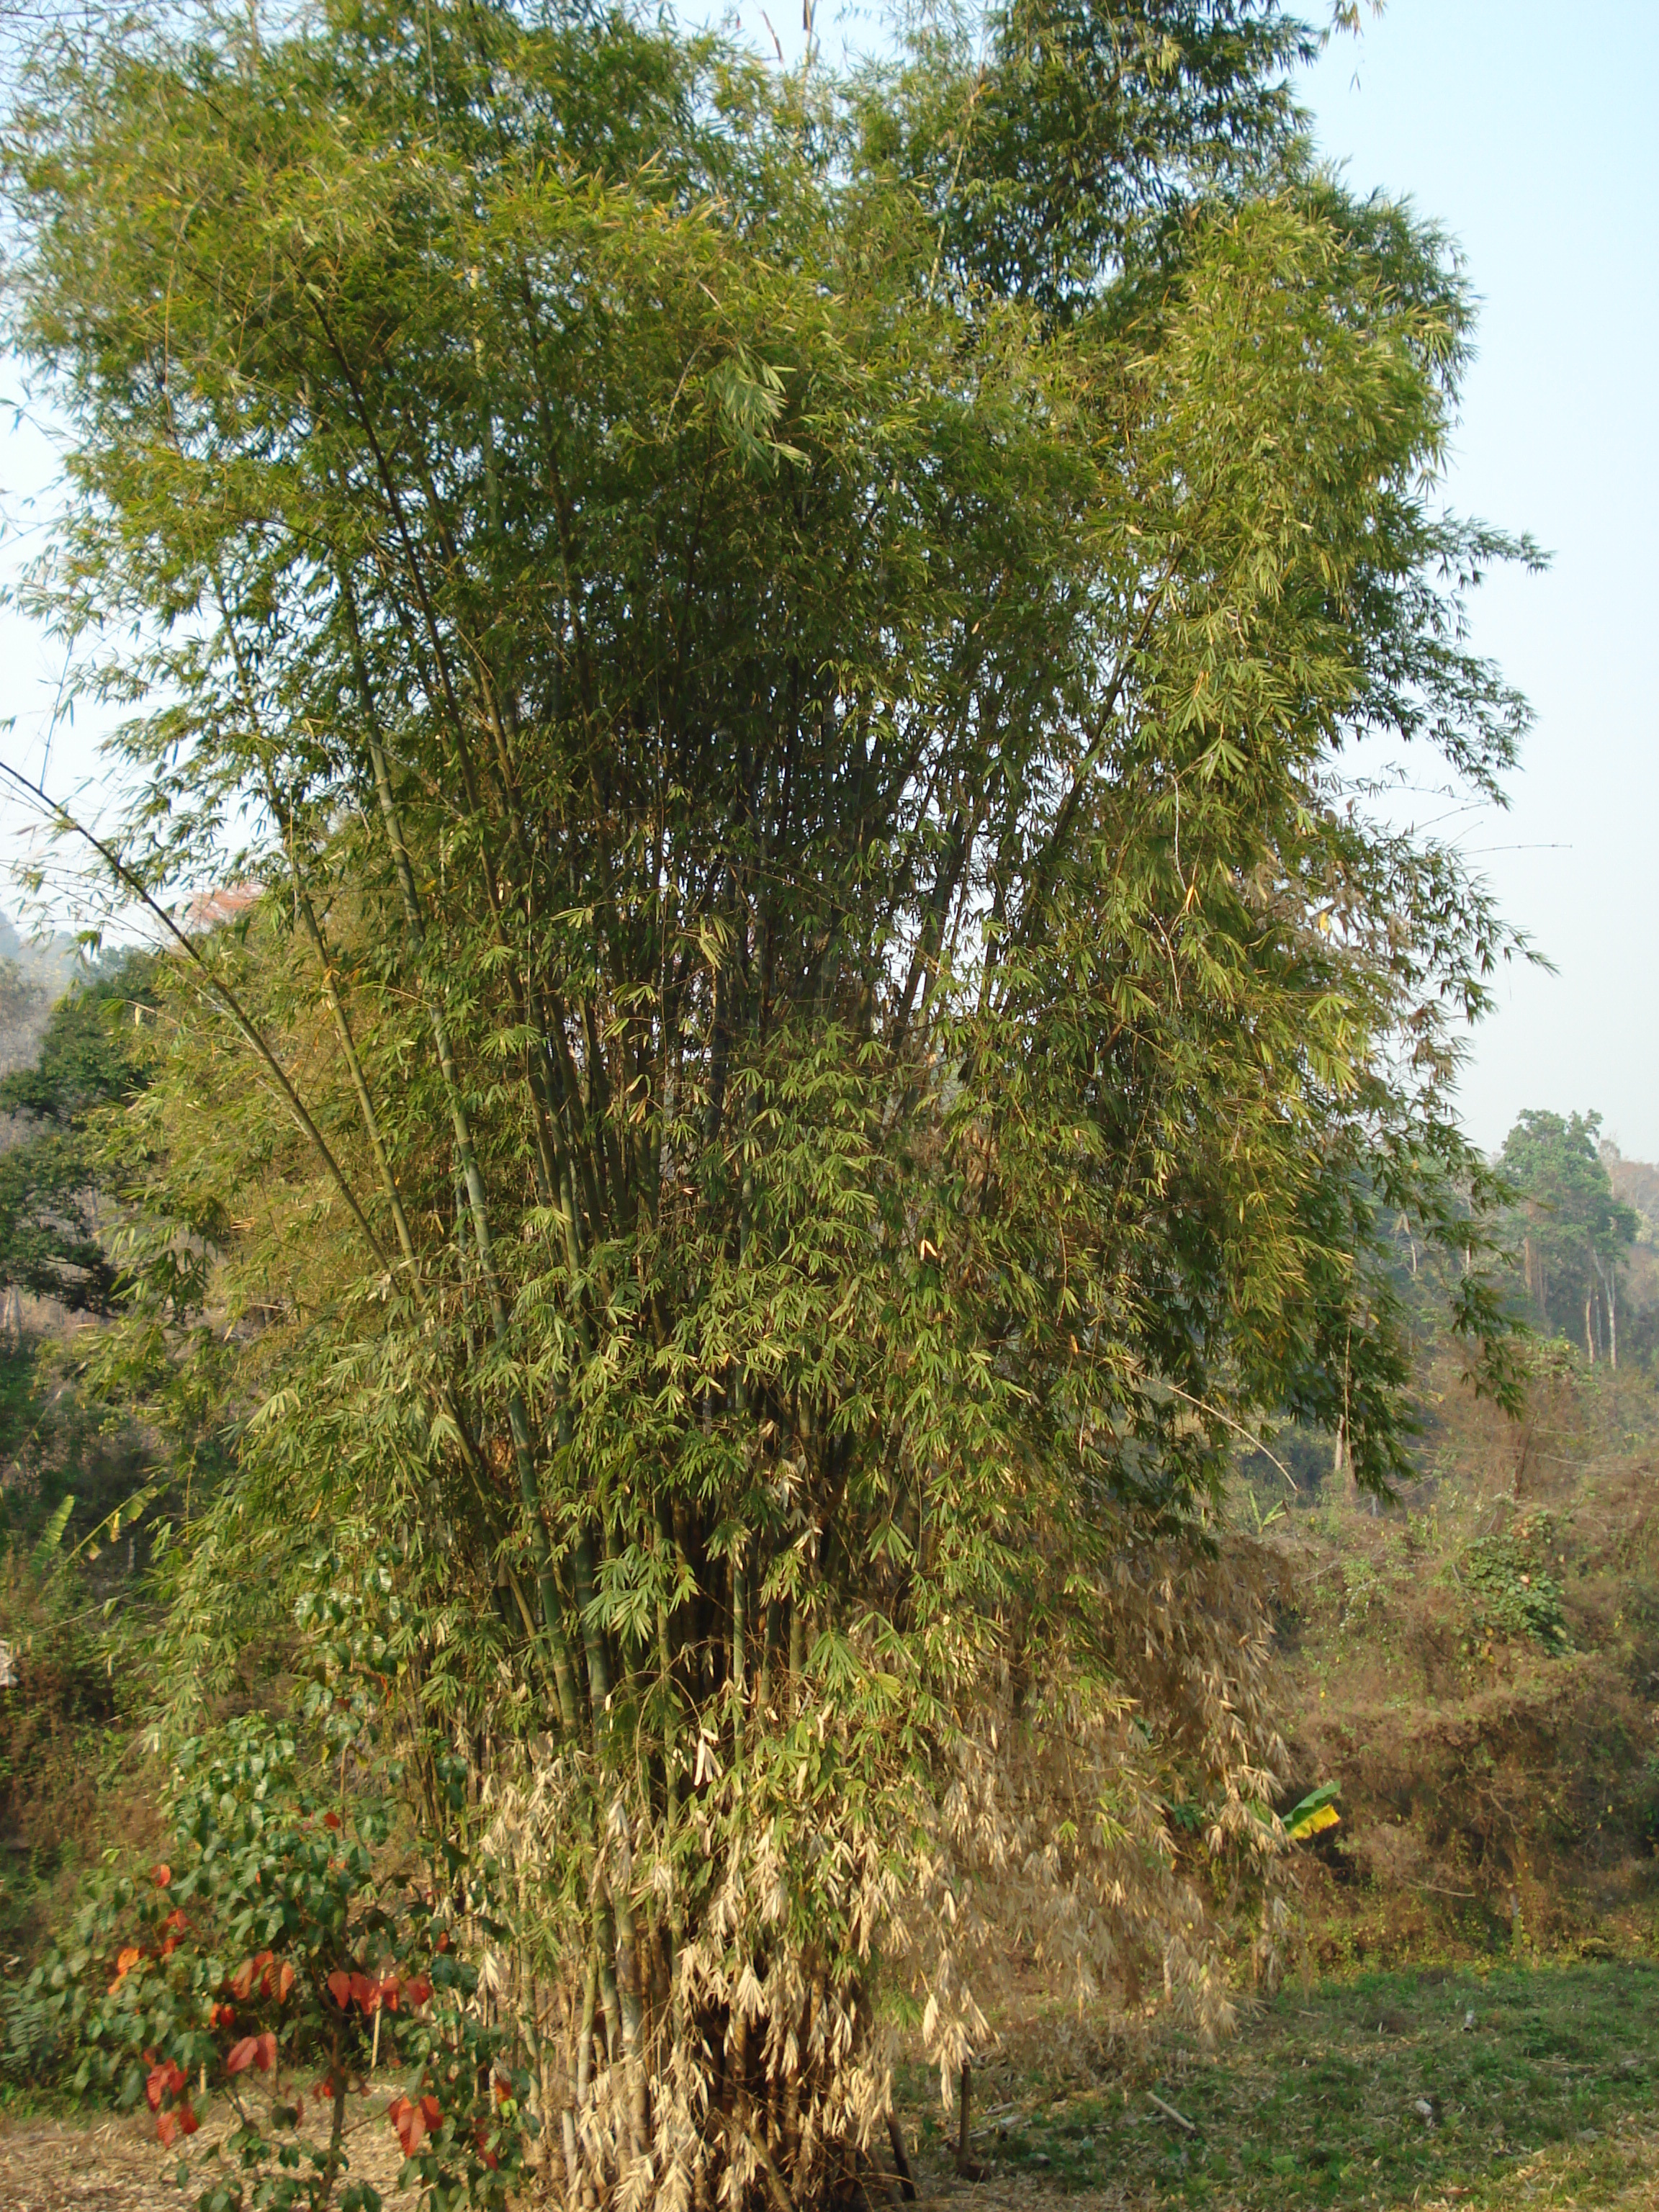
1310 1825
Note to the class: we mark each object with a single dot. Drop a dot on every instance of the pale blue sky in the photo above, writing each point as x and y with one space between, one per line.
1528 132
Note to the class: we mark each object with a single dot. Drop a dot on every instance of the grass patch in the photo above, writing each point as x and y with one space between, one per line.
1319 2100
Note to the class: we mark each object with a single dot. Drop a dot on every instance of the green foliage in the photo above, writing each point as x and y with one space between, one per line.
63 1441
1090 135
61 1730
71 1510
259 1955
1512 1591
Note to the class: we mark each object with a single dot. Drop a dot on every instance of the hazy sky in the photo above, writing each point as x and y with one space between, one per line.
1528 134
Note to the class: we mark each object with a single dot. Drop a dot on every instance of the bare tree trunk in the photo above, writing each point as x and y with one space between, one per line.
907 2180
1607 1281
970 2167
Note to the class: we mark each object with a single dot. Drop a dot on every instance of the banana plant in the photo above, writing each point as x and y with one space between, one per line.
1316 1811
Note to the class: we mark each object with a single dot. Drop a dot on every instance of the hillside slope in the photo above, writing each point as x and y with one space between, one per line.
1477 1665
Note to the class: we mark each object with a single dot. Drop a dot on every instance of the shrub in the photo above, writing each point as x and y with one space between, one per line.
1513 1594
258 1959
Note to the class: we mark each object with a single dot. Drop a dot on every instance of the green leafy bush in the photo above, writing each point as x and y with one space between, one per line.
1513 1592
253 1967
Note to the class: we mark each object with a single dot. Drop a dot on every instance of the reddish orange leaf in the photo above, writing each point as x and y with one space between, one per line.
165 2080
284 1982
241 2055
161 1875
339 1988
409 2121
330 1819
265 2053
241 1982
124 1964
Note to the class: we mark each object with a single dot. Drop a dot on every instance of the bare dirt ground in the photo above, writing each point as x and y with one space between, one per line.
117 2165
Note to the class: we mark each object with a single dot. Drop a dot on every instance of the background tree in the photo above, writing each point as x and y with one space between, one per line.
56 1221
825 1031
1573 1229
32 976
